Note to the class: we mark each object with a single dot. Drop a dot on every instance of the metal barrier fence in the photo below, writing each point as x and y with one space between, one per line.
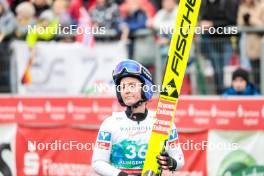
212 61
210 67
5 54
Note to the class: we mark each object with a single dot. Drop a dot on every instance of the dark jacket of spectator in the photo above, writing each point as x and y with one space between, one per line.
7 21
220 12
14 4
107 16
40 6
136 20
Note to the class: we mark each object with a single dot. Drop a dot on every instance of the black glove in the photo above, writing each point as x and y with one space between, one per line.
246 18
166 162
122 174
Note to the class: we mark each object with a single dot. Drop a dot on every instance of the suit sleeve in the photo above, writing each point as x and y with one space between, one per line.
101 155
174 149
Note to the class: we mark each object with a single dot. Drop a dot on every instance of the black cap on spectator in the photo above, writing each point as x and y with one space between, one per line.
240 73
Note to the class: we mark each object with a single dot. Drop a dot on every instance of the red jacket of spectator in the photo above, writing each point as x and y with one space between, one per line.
77 4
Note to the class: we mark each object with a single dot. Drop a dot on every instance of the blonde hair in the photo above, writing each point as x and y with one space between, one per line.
63 2
26 8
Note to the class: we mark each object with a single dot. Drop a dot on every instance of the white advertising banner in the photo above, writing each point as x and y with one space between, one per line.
67 68
235 153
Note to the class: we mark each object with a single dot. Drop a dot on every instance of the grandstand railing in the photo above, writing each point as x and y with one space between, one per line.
196 52
208 87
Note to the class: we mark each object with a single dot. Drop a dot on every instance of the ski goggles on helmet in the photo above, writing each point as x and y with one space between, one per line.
131 67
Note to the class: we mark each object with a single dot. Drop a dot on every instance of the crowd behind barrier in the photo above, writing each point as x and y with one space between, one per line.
143 26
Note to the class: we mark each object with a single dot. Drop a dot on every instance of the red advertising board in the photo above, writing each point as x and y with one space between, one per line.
202 113
56 135
54 151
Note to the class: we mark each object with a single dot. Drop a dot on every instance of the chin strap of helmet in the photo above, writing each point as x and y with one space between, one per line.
137 104
136 116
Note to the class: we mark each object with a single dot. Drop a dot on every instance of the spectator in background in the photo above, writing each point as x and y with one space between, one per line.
106 14
136 19
14 4
7 22
60 11
217 47
145 5
75 5
45 29
163 23
119 2
25 17
40 6
7 27
251 13
241 84
157 4
165 17
59 8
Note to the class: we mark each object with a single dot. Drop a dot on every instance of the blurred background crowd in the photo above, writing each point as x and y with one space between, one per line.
145 27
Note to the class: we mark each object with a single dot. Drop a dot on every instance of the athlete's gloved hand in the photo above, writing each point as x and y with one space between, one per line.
166 162
122 174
